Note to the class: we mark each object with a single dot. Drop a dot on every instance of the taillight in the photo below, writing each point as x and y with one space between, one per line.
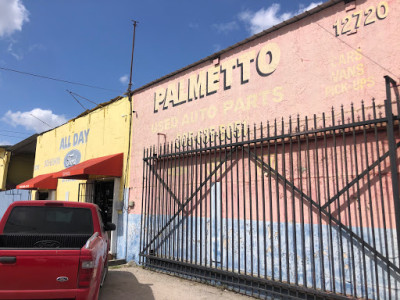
86 268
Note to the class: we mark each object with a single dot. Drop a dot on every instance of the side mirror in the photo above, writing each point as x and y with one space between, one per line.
109 227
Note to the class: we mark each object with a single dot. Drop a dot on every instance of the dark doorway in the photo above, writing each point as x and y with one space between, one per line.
103 197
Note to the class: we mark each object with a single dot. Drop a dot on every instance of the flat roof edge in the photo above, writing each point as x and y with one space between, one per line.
274 28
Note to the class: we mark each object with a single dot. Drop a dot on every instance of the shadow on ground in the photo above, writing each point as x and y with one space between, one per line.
123 285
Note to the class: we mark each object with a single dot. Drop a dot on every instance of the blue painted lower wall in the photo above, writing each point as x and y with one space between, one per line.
315 256
10 196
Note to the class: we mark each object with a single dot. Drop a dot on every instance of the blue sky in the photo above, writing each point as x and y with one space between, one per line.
89 42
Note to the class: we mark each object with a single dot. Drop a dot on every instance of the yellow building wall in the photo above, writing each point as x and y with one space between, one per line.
4 160
102 132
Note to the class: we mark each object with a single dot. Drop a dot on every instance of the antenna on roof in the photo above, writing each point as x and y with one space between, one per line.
133 48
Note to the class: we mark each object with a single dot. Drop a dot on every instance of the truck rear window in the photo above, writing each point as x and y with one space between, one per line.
49 220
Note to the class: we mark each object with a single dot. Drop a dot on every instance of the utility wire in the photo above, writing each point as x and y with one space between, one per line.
57 79
76 100
41 121
13 136
350 46
19 132
82 97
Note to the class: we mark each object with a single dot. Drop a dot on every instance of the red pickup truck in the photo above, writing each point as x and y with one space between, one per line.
53 250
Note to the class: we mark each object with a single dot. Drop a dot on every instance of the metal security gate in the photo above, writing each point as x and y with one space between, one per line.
295 209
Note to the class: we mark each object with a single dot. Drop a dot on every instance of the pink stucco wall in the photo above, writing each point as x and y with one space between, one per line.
303 68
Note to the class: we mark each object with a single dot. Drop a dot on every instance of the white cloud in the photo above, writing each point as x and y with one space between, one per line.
13 15
226 27
124 79
268 17
38 120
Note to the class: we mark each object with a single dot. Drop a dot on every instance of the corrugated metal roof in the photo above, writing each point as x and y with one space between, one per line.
27 145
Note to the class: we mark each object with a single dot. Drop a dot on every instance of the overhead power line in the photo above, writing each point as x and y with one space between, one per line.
18 132
13 136
41 121
57 79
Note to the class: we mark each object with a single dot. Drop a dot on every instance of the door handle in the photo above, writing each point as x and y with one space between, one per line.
8 259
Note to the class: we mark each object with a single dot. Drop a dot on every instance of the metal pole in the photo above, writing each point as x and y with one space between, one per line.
133 49
129 92
393 158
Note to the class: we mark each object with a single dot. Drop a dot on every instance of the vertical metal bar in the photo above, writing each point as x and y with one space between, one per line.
196 218
278 202
263 200
359 201
189 215
174 230
201 202
180 197
257 208
151 219
291 162
226 205
158 204
349 208
370 202
193 205
250 205
285 200
382 198
147 199
185 229
271 216
393 163
320 234
144 193
214 214
232 203
336 170
300 174
170 202
238 199
206 200
161 200
165 198
221 206
310 212
244 205
389 81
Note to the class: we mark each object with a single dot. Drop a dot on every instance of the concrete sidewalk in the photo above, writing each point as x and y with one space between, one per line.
125 283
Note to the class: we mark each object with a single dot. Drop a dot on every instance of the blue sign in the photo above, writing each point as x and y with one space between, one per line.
72 158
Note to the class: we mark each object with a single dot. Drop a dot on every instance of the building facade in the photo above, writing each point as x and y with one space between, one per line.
257 159
85 160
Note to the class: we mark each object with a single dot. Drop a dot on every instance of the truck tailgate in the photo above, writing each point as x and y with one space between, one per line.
39 269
